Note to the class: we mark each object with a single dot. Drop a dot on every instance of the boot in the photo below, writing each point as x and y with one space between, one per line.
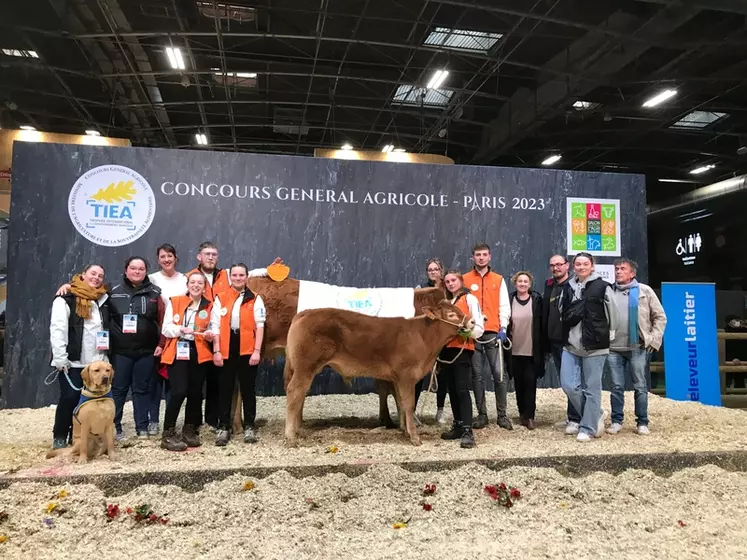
171 442
190 436
467 441
481 422
455 433
505 423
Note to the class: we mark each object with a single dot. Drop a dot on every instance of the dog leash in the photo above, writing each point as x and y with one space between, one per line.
52 377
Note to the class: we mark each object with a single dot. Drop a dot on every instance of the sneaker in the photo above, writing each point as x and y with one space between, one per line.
172 442
213 429
249 435
440 416
190 436
153 429
505 423
59 443
614 428
142 435
120 435
600 424
467 441
481 422
571 428
643 430
583 437
222 439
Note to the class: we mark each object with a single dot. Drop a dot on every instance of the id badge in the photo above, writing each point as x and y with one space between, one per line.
182 350
129 324
102 340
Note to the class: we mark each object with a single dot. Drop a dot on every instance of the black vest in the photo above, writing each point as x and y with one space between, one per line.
75 327
142 301
595 328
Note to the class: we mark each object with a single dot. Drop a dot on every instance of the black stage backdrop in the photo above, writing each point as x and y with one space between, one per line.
351 223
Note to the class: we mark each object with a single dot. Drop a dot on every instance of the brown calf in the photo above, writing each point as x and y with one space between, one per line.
281 302
399 351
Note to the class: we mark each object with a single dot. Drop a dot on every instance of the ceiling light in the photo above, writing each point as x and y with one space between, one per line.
201 139
703 169
27 127
552 159
677 181
20 53
175 58
437 79
93 133
585 105
660 98
347 147
388 148
399 150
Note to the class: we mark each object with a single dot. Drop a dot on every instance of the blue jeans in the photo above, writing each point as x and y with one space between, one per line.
557 356
160 388
132 372
581 379
619 361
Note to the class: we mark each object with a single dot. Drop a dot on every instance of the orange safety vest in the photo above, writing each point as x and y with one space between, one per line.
247 326
179 306
487 290
458 341
221 282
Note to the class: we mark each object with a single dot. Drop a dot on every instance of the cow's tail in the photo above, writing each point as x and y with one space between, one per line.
288 369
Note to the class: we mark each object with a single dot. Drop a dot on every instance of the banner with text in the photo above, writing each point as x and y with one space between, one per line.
690 343
341 222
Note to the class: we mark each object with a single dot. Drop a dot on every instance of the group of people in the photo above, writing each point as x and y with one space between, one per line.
580 321
185 336
167 334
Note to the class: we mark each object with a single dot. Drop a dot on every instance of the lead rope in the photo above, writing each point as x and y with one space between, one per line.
55 374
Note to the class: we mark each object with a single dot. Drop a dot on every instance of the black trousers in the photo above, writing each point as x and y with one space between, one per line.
237 367
212 394
457 377
525 384
186 378
69 397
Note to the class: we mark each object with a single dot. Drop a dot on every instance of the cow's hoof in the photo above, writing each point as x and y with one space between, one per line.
416 441
291 442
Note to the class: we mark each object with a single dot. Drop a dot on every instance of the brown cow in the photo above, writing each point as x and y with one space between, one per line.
281 301
396 350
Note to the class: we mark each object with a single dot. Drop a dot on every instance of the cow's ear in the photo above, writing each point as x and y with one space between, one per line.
428 311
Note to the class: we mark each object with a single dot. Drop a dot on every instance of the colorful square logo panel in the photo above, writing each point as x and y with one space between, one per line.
593 226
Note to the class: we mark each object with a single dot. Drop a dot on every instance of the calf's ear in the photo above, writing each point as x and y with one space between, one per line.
428 311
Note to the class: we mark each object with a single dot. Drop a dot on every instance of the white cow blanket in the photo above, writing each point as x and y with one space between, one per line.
376 302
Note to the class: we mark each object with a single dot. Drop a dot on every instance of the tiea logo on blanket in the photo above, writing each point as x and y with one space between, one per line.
111 205
363 301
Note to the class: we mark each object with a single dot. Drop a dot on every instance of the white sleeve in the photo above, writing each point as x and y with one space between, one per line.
58 332
169 329
215 317
476 312
504 312
257 272
260 313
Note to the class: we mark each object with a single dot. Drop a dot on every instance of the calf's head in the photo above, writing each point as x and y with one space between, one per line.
449 313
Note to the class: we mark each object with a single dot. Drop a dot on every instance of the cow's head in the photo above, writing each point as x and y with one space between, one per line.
449 313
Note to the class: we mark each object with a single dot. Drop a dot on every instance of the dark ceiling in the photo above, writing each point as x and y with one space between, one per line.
286 76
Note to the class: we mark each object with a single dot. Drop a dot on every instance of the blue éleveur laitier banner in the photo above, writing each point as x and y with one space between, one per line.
691 343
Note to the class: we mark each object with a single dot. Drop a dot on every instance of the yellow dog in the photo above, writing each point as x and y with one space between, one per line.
93 418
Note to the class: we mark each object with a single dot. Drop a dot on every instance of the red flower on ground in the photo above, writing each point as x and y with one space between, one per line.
112 511
681 523
427 507
429 489
515 493
502 486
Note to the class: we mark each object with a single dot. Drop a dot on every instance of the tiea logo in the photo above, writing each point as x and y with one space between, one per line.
111 205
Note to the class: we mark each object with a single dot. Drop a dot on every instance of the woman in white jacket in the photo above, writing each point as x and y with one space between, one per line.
79 334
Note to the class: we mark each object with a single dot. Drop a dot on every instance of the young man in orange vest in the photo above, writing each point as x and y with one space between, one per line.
492 294
237 348
217 281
